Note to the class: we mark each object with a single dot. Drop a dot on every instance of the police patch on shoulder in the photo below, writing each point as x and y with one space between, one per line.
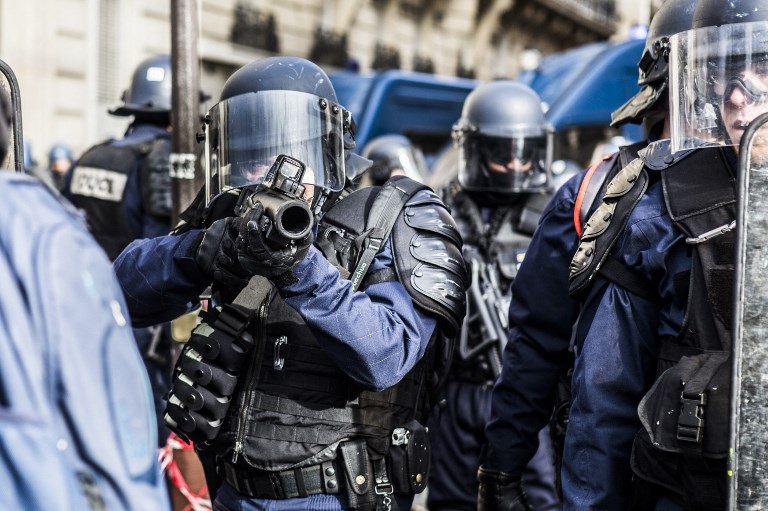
98 183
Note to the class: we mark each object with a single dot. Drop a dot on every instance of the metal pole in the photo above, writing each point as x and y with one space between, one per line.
185 114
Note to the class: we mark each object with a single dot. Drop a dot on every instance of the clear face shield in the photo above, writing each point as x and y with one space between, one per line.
516 160
246 133
718 85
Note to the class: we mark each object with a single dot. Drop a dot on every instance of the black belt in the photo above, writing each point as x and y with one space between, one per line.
326 477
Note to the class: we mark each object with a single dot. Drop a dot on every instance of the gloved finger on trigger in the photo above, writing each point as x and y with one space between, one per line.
255 213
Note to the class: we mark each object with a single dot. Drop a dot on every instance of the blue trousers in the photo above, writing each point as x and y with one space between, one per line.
228 499
458 441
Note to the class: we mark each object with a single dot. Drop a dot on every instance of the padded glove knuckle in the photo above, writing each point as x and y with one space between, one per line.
217 254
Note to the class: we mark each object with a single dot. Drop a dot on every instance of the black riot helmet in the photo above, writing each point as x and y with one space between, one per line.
673 17
713 13
504 140
149 95
394 153
274 106
719 73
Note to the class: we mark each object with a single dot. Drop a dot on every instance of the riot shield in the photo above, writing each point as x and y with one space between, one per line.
749 390
15 158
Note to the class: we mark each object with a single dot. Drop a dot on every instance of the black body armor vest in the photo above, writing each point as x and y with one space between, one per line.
683 451
494 248
686 451
295 410
98 187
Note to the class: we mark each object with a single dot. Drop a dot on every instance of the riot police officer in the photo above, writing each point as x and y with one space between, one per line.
504 146
538 359
665 296
59 160
310 379
124 187
76 426
392 155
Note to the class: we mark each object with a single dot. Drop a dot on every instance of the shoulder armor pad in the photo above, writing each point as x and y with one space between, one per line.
427 212
658 156
606 224
426 246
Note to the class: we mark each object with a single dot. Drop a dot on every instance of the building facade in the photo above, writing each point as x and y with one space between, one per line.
73 58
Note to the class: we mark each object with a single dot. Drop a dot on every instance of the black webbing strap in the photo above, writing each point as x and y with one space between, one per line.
233 317
382 217
617 273
693 398
379 276
325 477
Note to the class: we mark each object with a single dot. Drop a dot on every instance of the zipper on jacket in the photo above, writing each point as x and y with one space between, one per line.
254 369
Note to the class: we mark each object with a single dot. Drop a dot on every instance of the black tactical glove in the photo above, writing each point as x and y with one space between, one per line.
217 254
500 492
260 257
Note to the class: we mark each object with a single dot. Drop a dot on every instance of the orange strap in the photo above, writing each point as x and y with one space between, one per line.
583 191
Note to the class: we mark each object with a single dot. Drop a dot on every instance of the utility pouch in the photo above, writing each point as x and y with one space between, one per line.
683 445
208 375
697 392
409 458
205 375
189 423
228 349
359 475
197 397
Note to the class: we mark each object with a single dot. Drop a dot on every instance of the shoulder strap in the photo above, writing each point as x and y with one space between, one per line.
588 192
595 179
382 217
606 225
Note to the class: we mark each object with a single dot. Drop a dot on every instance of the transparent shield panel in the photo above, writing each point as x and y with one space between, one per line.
749 419
718 83
248 132
15 156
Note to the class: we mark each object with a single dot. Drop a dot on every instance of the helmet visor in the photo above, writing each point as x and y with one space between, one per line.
505 164
248 132
718 83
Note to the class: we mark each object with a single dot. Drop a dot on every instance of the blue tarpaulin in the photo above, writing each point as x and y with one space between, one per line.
582 86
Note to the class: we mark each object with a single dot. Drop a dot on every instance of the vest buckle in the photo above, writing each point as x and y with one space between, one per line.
690 423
